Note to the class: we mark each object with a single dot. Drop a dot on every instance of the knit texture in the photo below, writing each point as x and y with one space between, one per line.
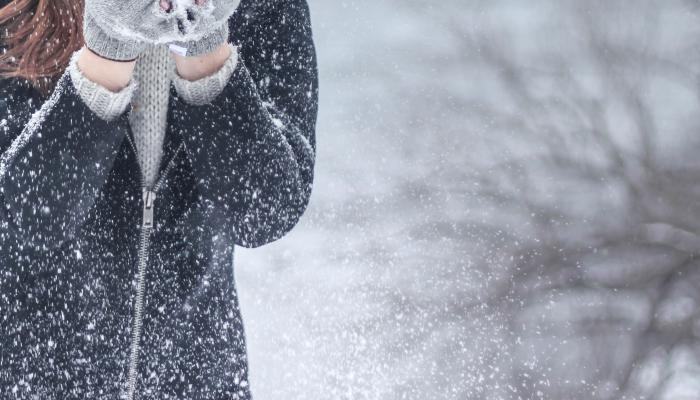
207 43
203 91
149 92
71 212
148 116
107 45
106 104
120 30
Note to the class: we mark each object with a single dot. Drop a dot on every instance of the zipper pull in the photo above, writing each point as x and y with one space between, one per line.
148 200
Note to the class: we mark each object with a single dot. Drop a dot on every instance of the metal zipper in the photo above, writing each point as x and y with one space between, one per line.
147 226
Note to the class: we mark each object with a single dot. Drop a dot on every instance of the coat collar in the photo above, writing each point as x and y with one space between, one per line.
171 142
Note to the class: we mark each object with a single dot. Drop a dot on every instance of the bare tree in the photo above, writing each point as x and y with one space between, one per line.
510 208
593 116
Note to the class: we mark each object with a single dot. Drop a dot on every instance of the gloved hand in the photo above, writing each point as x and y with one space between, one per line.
204 22
120 29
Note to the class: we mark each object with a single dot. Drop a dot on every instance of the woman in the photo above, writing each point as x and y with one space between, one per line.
141 140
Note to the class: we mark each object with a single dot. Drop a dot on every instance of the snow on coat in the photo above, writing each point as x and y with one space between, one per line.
236 171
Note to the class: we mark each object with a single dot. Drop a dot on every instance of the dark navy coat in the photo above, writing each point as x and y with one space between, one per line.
237 171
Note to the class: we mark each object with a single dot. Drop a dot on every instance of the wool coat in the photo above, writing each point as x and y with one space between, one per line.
109 290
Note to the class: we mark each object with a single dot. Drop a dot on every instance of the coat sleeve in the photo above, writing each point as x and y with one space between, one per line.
56 157
252 148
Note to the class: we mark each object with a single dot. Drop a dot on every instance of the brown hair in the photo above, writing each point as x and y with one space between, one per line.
39 37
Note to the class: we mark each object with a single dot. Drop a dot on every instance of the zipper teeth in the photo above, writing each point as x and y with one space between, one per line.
138 312
167 169
161 178
143 258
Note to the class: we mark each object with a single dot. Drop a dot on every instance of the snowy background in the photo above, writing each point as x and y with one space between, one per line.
506 206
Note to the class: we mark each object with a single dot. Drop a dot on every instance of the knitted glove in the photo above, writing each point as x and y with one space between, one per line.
120 29
205 24
112 47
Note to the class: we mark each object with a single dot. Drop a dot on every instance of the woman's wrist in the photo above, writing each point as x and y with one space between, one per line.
113 75
197 67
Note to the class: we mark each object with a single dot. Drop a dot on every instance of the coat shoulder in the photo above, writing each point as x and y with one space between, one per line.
252 16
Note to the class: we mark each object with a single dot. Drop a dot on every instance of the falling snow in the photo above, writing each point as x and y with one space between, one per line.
501 207
116 286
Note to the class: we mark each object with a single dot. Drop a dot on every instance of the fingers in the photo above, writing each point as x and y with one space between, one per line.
183 11
166 5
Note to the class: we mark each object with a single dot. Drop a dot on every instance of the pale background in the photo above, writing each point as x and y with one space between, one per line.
505 206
